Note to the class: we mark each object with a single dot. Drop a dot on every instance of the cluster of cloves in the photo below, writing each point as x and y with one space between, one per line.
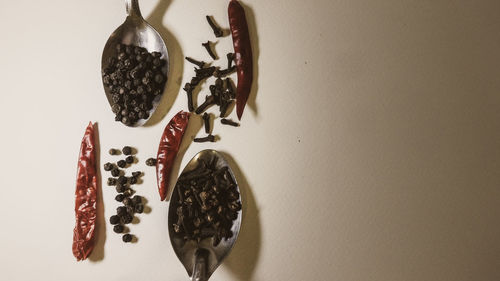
131 205
222 92
207 202
135 79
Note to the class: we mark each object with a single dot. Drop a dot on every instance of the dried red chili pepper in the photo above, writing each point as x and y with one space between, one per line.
243 54
85 197
169 146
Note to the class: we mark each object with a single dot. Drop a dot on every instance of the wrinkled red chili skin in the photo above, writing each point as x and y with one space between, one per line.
169 146
243 54
85 197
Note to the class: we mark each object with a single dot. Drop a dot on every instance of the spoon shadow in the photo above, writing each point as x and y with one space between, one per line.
243 258
176 62
100 236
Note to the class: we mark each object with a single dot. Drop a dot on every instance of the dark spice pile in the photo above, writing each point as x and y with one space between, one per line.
222 92
131 205
134 78
207 202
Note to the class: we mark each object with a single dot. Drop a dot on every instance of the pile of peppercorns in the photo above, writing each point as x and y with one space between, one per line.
131 205
135 80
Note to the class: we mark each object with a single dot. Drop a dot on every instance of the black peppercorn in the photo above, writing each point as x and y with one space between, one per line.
111 181
121 211
121 163
128 192
133 180
114 219
151 162
122 180
119 197
120 188
127 201
158 78
137 199
127 238
127 150
139 208
127 218
129 159
136 174
118 228
115 172
108 166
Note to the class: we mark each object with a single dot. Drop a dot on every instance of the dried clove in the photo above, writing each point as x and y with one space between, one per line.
206 119
209 138
209 100
189 91
217 30
222 73
230 59
200 64
204 72
229 122
208 47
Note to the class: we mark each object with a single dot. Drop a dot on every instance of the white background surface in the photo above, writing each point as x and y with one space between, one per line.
370 152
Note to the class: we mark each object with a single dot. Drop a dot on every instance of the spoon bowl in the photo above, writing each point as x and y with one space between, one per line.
136 31
202 259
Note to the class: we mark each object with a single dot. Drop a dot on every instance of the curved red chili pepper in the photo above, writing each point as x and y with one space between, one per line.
85 197
243 54
169 146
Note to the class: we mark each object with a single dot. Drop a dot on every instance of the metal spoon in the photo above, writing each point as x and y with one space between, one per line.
202 259
136 31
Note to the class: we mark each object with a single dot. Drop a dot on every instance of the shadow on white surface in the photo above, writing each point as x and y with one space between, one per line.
176 59
243 258
100 236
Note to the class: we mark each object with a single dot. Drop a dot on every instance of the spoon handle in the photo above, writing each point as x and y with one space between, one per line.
133 8
200 265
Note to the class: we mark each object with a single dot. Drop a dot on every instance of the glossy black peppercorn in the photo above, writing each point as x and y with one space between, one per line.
111 181
119 197
118 228
129 159
133 180
121 163
122 180
151 162
127 150
137 199
127 238
127 201
114 219
136 174
120 188
139 208
115 172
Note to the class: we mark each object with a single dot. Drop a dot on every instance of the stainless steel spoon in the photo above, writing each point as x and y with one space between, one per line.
201 260
137 31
